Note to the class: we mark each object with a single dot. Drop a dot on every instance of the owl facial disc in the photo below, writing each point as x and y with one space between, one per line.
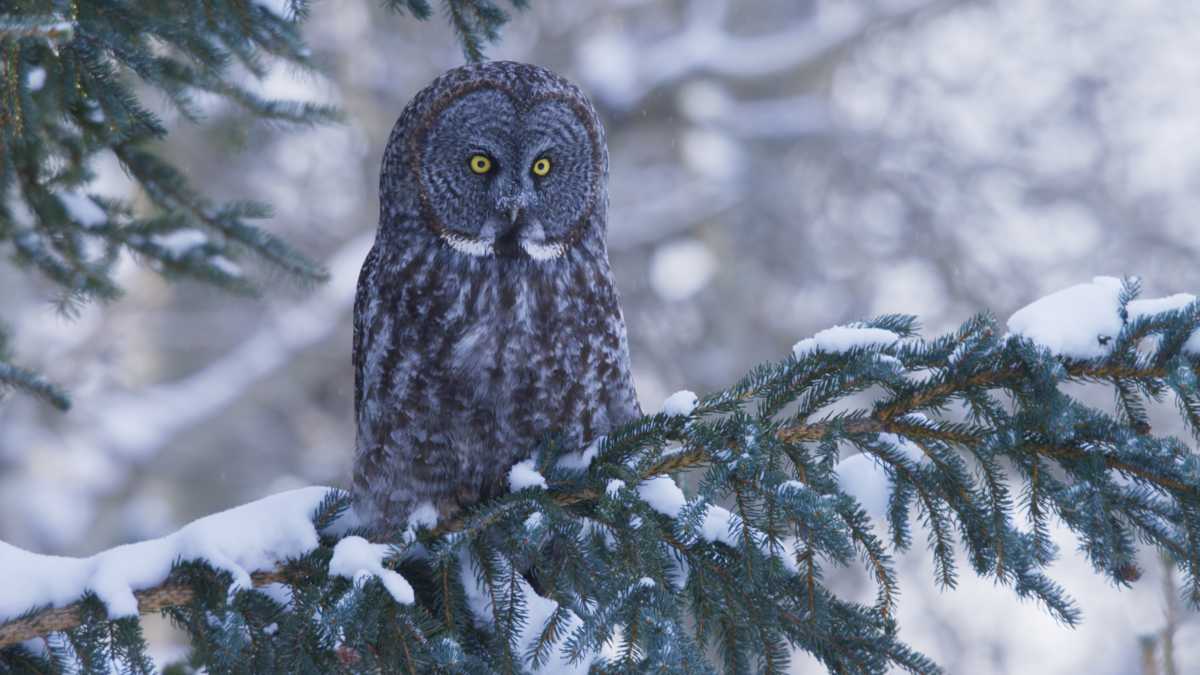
508 172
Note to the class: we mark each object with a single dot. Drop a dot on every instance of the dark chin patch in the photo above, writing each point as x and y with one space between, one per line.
508 246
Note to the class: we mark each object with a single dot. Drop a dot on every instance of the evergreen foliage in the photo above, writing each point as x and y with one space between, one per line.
73 78
732 580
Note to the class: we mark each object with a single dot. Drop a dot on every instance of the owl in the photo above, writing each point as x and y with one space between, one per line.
486 318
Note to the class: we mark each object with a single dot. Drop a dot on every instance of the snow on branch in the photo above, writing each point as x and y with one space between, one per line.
842 339
486 609
1082 321
254 538
1079 322
358 559
680 404
819 459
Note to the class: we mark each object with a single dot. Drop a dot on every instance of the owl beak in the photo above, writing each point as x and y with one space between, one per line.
511 205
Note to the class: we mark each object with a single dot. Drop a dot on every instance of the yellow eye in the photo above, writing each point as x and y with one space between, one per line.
481 164
541 167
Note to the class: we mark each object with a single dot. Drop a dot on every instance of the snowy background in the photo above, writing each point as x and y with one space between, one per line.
776 170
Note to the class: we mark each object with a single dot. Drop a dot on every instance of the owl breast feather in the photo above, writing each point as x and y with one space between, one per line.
468 365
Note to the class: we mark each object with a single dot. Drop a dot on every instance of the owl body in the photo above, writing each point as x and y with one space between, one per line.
486 317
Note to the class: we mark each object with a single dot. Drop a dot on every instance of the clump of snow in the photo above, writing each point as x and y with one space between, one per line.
614 486
226 265
1149 307
538 611
662 494
523 475
646 582
581 460
680 404
425 515
358 559
842 339
864 477
1152 306
1078 322
245 539
280 593
180 242
534 521
82 209
35 78
892 361
792 486
715 527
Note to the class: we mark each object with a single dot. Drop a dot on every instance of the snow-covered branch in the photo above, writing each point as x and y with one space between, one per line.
248 542
615 543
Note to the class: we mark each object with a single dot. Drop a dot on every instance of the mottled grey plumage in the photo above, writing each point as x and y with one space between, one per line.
486 315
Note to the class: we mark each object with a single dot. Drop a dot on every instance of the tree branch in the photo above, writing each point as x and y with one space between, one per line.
886 419
54 620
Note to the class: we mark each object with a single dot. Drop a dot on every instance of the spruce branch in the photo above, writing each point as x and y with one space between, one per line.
60 619
955 425
32 383
73 87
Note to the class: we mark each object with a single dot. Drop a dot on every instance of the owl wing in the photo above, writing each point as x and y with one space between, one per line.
413 427
360 301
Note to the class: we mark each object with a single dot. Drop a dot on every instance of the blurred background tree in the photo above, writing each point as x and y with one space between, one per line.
775 170
75 75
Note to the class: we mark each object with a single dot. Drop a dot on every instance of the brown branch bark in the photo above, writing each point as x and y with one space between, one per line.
149 600
174 595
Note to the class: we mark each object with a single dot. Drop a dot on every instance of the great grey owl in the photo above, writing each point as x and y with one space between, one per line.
486 317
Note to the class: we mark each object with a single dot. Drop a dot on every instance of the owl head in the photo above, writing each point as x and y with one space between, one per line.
498 159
